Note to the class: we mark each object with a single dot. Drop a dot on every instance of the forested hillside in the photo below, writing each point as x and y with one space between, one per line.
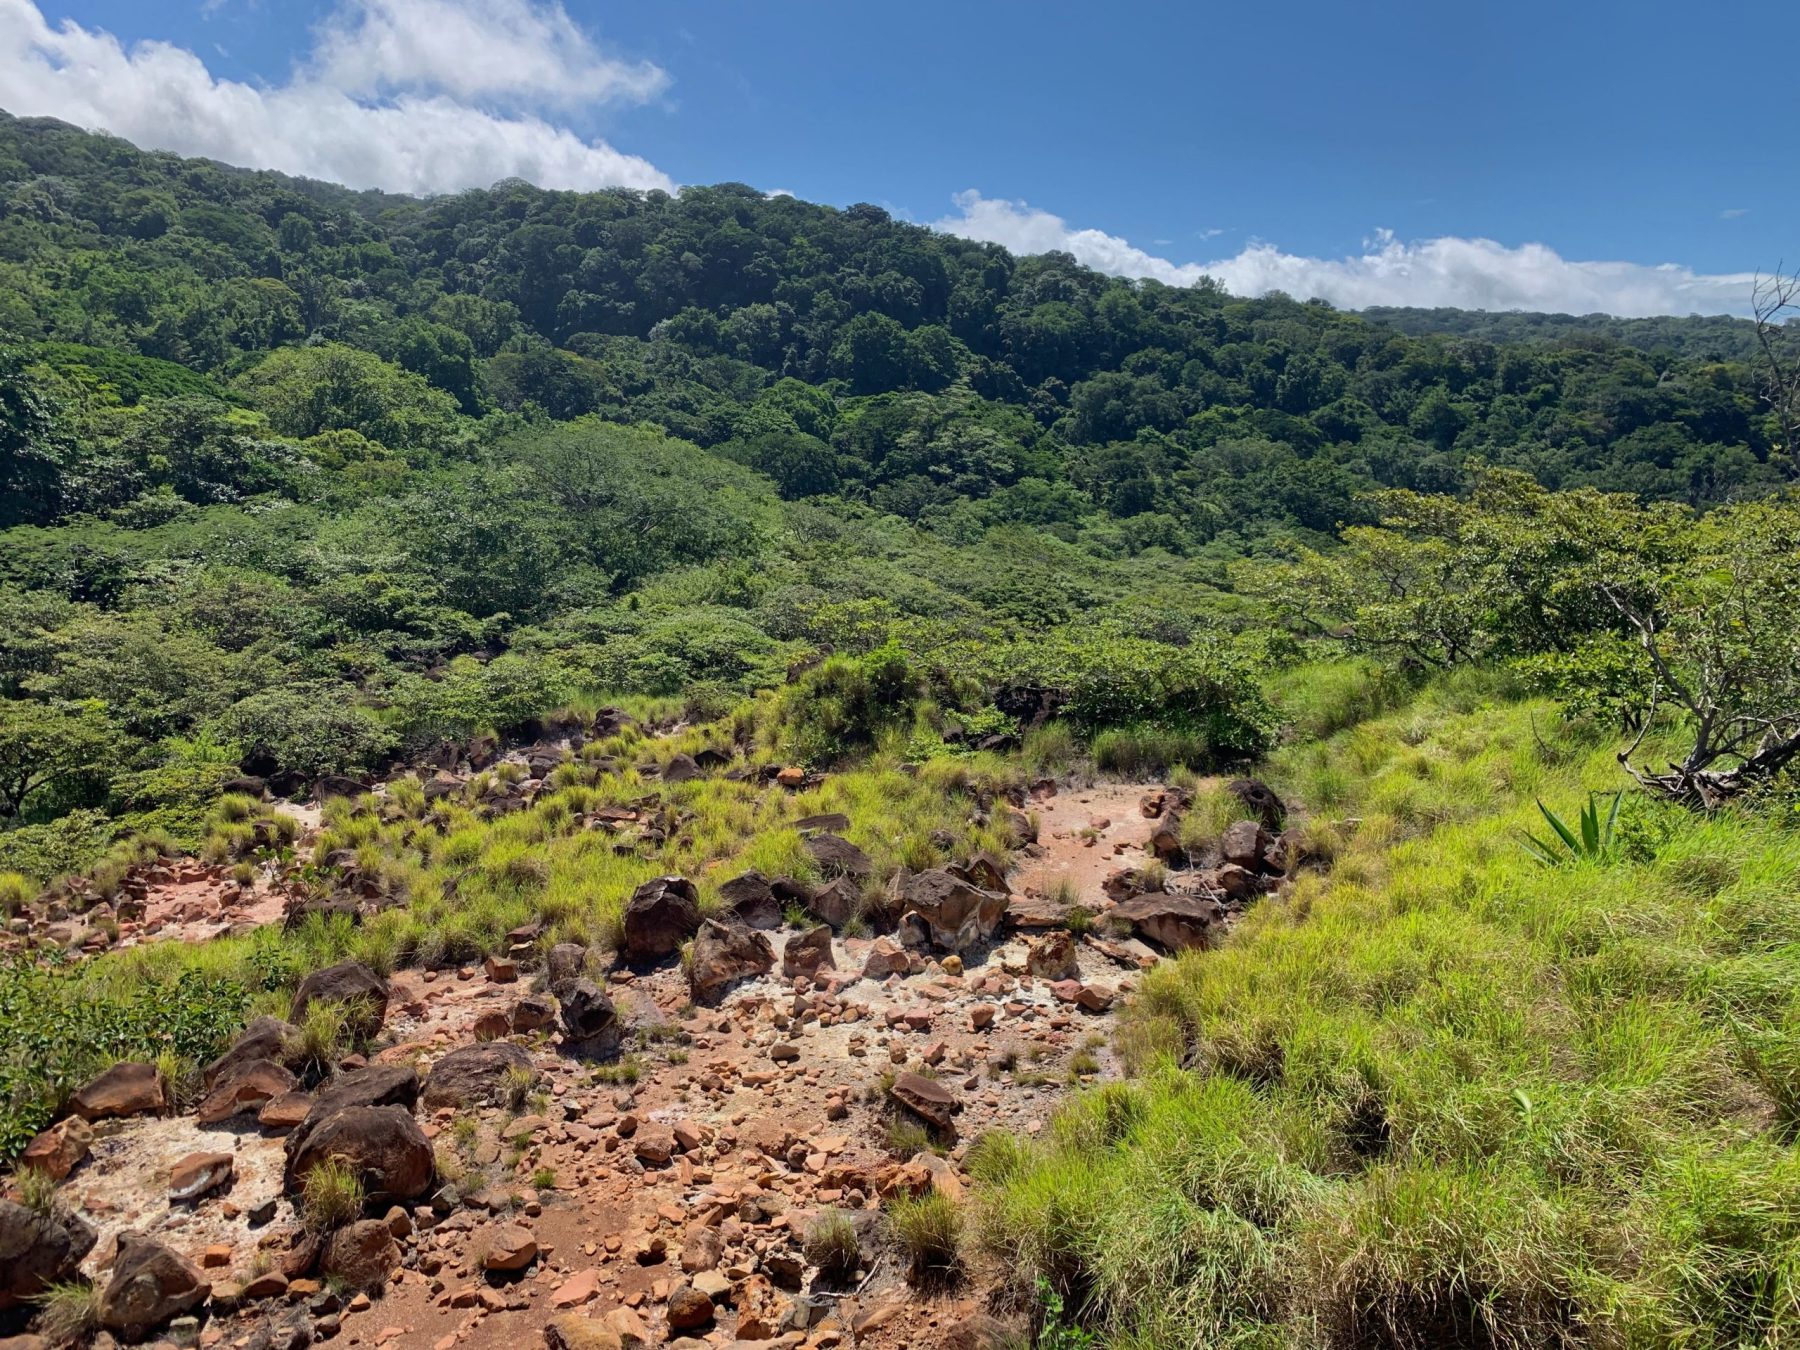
1304 802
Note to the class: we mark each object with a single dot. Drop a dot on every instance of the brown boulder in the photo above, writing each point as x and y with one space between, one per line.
199 1174
363 993
662 914
838 857
38 1250
265 1038
689 1309
886 957
959 914
578 1331
150 1285
362 1254
534 1012
128 1089
509 1248
58 1149
724 954
588 1016
475 1075
1052 957
384 1145
1259 798
1174 922
808 953
835 902
1165 838
1243 843
246 1085
928 1099
750 898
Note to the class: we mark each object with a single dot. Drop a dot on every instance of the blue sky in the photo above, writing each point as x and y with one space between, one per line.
1399 152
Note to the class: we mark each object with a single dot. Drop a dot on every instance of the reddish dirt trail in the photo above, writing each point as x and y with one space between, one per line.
1085 835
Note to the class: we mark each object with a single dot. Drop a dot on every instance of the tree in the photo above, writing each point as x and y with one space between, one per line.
1723 652
308 390
32 447
1775 303
43 745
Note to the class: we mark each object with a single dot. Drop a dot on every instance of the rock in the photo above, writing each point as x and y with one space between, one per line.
362 1254
286 1112
1242 844
750 898
1052 957
38 1250
1165 838
960 914
681 769
501 970
338 785
808 953
246 1085
689 1309
363 993
886 957
150 1285
509 1248
588 1016
984 870
838 857
836 902
581 1288
1174 922
266 1038
578 1331
128 1089
913 932
58 1149
662 914
1259 797
564 965
384 1144
928 1099
1019 827
791 776
725 954
199 1174
380 1085
701 1249
534 1012
476 1075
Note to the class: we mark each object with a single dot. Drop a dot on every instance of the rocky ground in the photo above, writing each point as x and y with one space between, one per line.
611 1153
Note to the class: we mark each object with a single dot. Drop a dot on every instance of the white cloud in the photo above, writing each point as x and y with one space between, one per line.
1466 273
398 116
502 48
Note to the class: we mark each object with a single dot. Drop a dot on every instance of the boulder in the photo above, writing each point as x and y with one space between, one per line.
588 1017
246 1085
578 1331
1052 957
510 1248
689 1309
384 1145
681 769
751 899
838 857
830 822
200 1174
128 1089
724 954
564 965
1174 922
363 993
265 1038
362 1254
662 914
886 957
38 1250
532 1013
927 1099
338 785
1165 838
1243 843
150 1286
58 1150
475 1075
835 902
959 913
1018 827
1259 798
808 953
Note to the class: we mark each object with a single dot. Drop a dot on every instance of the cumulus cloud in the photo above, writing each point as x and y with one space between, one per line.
1465 273
439 100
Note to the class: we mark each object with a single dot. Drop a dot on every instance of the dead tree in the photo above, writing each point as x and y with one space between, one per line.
1775 305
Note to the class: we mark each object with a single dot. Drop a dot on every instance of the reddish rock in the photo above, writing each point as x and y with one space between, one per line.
199 1174
247 1085
128 1089
58 1149
662 914
724 954
509 1248
808 953
362 1254
150 1286
363 993
928 1099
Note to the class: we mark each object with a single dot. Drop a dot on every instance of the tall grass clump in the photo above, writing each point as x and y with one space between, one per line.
1443 1095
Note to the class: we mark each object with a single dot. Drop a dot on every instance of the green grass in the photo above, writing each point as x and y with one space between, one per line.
331 1195
832 1246
928 1229
68 1313
1444 1095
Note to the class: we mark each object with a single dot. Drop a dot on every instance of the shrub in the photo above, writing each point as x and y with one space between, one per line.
16 891
331 1195
832 1246
69 1312
928 1229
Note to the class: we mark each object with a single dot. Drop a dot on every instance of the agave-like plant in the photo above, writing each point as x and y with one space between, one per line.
1593 841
